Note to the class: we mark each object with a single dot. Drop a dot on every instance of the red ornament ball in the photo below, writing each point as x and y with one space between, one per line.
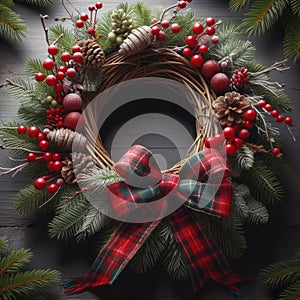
210 68
78 57
175 28
99 5
84 17
48 64
47 156
155 30
71 119
44 145
57 166
238 143
248 124
229 133
79 23
276 151
56 157
197 61
31 157
244 134
191 41
60 75
210 21
181 4
71 72
203 49
230 149
220 82
250 115
76 48
165 24
187 52
262 103
268 107
41 136
53 49
40 77
33 131
275 113
198 28
288 120
72 102
40 183
51 80
22 129
53 188
280 118
210 30
65 56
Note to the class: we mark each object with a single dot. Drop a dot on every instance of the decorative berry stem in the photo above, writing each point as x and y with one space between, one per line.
16 169
161 18
52 197
43 18
278 66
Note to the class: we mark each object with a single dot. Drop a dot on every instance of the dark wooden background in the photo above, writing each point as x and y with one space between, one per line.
276 240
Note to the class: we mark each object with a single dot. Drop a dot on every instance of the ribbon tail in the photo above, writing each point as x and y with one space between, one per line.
205 259
113 257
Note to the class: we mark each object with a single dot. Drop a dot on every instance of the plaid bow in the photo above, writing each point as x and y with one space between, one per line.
144 183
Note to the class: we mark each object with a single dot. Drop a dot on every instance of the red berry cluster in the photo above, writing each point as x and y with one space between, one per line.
55 116
34 132
197 47
240 77
41 183
90 20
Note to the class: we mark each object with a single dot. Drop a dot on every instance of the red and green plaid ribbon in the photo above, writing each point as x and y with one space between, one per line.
204 258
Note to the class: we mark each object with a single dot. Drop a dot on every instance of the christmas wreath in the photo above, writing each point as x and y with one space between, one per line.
232 100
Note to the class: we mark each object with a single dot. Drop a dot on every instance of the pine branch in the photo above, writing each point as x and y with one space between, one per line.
14 261
295 4
245 158
8 3
262 15
41 3
67 41
142 14
35 65
106 27
239 4
258 213
292 292
3 246
11 24
240 194
291 42
276 164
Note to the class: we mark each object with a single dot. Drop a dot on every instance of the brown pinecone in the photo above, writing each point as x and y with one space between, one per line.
93 55
79 163
66 139
137 41
230 108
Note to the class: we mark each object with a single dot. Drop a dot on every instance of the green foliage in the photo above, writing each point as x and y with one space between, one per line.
35 65
142 14
257 212
295 4
11 24
286 275
42 3
245 158
239 4
291 42
18 284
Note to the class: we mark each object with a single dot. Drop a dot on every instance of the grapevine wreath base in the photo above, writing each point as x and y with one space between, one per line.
221 74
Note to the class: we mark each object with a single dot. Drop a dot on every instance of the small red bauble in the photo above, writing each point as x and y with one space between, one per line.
72 102
154 21
31 157
63 69
209 68
47 156
41 136
58 87
220 82
53 49
210 30
53 188
60 181
56 157
250 115
191 41
57 165
161 36
203 49
198 28
33 131
49 165
276 151
187 52
76 48
71 120
155 30
268 107
71 72
48 64
215 40
288 120
40 77
229 133
197 61
91 31
181 4
79 23
91 8
230 149
238 143
262 103
248 124
44 145
210 21
22 129
99 5
84 17
244 134
165 24
280 118
175 28
275 113
78 57
214 141
40 183
60 75
65 56
51 80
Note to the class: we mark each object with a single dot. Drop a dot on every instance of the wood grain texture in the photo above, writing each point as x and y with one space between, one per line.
276 240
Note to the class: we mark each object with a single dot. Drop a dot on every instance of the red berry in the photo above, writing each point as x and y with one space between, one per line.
214 141
165 24
33 131
220 82
229 133
76 48
72 102
91 8
47 156
230 149
248 124
60 181
209 68
197 61
262 103
39 77
78 57
58 87
63 69
60 75
175 28
210 30
91 31
187 52
71 120
155 30
53 49
161 36
99 5
276 151
238 143
84 17
288 120
154 21
65 56
49 165
198 28
48 64
268 107
280 118
40 183
71 72
22 129
191 41
56 157
51 80
250 115
41 136
203 49
215 39
275 113
57 165
31 157
53 188
44 145
244 134
207 142
210 21
181 4
79 23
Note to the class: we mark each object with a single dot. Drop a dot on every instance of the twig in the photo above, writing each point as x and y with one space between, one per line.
52 197
14 169
21 148
164 13
278 66
57 40
43 18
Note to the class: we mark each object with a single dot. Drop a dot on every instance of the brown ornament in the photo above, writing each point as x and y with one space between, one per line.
137 41
93 55
230 108
66 139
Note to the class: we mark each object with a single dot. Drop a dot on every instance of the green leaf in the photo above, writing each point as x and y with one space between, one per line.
3 245
245 157
262 15
240 194
11 24
239 4
14 261
41 3
292 292
291 43
8 3
295 4
258 213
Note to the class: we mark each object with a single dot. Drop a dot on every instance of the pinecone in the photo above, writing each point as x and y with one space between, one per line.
138 40
122 25
79 163
66 139
93 55
230 108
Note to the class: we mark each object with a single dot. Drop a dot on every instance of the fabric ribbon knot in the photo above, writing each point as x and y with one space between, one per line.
149 196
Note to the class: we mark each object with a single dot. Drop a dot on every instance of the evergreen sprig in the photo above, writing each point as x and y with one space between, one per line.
40 3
